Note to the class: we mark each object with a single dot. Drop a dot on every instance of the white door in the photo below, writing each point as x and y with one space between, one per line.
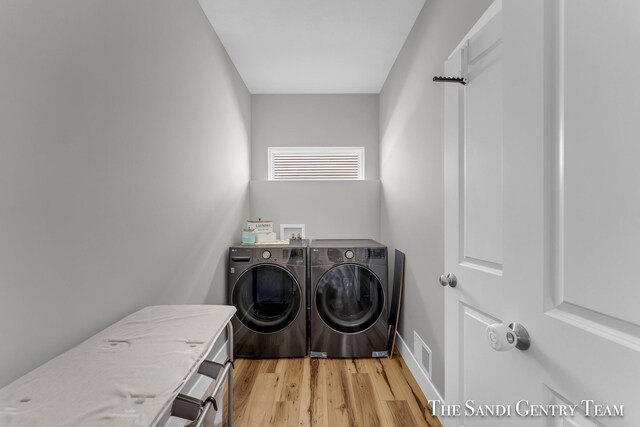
474 226
564 217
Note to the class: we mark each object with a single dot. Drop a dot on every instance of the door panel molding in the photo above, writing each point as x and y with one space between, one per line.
481 265
557 303
480 157
552 397
475 351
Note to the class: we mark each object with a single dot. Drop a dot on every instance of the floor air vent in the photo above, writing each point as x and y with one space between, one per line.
422 353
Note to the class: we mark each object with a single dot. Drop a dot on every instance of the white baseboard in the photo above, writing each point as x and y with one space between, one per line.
427 387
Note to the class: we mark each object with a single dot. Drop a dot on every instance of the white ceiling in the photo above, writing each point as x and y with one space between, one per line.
313 46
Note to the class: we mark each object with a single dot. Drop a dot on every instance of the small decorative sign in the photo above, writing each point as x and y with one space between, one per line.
260 226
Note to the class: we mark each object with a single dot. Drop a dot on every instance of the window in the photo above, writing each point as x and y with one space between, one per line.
316 163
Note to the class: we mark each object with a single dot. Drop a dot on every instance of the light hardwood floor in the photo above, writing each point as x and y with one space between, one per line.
328 393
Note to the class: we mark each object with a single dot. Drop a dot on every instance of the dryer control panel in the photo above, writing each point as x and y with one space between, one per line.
369 256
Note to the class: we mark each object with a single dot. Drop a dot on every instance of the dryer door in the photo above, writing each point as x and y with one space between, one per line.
349 298
267 297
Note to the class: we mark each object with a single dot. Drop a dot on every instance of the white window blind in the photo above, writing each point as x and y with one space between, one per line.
316 163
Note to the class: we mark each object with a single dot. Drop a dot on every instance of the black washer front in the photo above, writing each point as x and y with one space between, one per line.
267 298
349 298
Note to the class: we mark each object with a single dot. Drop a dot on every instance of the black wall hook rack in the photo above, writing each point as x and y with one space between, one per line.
450 80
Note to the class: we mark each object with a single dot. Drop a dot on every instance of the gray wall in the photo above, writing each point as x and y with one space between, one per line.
329 209
411 166
124 167
314 121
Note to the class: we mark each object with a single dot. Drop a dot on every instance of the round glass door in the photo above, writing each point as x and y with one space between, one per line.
267 298
349 298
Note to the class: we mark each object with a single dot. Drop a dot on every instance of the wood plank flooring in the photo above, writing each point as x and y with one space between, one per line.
327 393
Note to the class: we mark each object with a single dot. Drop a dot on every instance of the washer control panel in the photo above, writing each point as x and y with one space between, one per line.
328 256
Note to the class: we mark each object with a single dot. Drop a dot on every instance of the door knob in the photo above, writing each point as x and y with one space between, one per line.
503 338
450 279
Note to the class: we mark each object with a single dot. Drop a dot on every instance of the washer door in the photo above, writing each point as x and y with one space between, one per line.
267 298
349 298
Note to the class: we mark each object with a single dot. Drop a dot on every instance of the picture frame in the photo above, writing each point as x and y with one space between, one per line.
287 230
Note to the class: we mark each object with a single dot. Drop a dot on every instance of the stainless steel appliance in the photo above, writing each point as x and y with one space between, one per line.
268 286
348 298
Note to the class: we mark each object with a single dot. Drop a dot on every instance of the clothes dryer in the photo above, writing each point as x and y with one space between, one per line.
348 298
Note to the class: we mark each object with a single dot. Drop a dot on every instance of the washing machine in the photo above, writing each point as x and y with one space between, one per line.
348 298
268 287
